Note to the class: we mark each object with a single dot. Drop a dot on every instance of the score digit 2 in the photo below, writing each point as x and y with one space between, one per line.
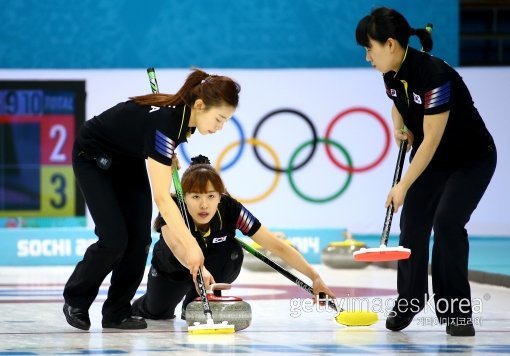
57 180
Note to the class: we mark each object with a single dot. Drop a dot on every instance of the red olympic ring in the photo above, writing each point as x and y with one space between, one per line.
387 135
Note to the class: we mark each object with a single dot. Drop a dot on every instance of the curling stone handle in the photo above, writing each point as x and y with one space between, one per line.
219 286
396 178
216 288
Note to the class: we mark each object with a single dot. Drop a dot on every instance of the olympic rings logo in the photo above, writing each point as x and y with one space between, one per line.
292 166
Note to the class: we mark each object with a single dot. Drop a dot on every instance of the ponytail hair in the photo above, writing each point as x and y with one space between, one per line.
214 90
195 180
425 37
384 23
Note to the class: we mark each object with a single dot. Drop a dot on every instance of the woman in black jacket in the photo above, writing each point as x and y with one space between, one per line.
453 158
114 156
214 217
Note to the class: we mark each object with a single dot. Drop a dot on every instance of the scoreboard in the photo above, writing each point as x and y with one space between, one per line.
38 124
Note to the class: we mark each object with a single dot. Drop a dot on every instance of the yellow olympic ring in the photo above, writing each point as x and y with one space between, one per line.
254 142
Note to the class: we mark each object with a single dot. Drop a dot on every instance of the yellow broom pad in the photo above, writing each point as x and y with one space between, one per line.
356 318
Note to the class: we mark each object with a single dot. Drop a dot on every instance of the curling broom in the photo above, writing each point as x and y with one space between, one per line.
383 252
347 318
210 327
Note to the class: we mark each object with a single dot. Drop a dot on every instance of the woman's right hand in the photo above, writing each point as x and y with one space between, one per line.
208 280
402 135
194 259
176 164
396 197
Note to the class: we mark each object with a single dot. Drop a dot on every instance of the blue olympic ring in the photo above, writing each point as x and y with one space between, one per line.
242 139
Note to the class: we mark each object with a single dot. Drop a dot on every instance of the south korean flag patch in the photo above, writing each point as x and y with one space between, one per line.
416 98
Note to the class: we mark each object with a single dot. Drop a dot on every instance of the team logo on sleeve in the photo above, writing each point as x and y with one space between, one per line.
393 93
417 98
219 239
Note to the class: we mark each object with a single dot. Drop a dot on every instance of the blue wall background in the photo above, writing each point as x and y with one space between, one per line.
203 33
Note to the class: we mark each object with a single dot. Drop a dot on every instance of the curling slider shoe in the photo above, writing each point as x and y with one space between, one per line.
356 318
382 254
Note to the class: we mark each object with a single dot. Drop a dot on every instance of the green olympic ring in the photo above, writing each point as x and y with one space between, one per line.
334 195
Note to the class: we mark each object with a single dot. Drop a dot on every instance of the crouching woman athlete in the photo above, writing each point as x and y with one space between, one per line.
214 218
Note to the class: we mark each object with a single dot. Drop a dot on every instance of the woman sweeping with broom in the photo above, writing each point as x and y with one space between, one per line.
122 159
453 158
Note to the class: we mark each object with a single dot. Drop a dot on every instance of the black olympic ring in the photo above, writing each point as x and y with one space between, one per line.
314 140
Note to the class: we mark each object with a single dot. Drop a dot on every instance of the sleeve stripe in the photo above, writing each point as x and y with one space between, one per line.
437 96
241 221
245 221
164 145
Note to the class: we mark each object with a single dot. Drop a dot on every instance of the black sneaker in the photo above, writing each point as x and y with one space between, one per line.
129 323
79 318
395 322
460 330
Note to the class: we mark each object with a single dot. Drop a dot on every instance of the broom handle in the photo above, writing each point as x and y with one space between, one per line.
294 279
152 80
396 178
180 198
200 278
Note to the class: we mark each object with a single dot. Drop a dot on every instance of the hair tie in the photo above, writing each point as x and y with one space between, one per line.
206 79
200 159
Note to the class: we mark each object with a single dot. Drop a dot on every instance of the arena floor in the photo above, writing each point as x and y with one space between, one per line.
284 322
